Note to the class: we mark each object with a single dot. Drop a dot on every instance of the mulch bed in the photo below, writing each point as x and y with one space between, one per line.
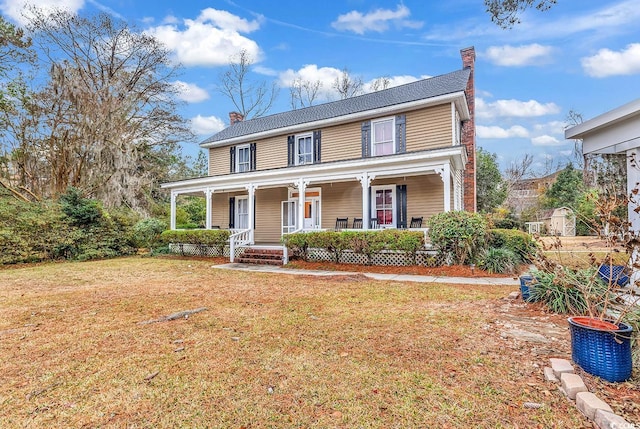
448 271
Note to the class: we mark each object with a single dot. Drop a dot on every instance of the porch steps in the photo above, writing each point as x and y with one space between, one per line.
262 255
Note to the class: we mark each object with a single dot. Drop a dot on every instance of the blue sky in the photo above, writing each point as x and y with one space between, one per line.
580 55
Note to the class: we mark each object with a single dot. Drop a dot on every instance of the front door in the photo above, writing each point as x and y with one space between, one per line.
312 213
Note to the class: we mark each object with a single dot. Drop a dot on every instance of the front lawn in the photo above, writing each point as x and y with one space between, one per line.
270 351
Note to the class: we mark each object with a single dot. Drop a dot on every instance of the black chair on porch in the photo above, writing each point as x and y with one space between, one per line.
342 223
373 224
357 223
416 222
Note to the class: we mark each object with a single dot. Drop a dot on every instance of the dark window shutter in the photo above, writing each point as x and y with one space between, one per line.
401 134
401 206
366 139
291 150
317 137
232 212
252 155
232 158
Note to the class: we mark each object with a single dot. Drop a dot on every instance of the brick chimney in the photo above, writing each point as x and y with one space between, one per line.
235 117
469 133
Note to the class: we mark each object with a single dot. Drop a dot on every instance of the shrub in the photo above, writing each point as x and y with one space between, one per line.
560 292
81 211
363 242
519 242
146 232
297 245
459 235
499 261
202 238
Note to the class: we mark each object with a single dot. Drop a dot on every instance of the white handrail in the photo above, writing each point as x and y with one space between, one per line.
238 238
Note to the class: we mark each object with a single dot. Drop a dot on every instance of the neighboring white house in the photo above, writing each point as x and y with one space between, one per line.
616 131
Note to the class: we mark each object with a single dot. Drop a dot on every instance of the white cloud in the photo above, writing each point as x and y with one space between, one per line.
566 152
311 73
14 9
206 125
514 108
611 63
552 127
327 76
377 20
495 132
523 55
190 92
547 140
209 40
395 81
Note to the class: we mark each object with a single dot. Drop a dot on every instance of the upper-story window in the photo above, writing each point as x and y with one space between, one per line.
304 149
383 137
243 158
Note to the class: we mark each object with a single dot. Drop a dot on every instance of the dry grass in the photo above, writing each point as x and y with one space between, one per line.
270 351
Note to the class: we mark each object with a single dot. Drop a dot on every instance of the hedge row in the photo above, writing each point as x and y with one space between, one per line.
364 242
216 238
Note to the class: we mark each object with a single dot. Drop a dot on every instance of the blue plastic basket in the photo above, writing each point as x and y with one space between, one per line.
606 354
525 285
613 273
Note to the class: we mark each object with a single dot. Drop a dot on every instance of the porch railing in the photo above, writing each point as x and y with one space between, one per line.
238 237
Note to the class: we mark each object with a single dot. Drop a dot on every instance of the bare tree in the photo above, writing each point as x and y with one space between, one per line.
505 13
251 98
304 92
106 119
348 85
513 179
380 83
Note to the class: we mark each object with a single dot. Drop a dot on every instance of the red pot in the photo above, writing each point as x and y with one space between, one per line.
590 322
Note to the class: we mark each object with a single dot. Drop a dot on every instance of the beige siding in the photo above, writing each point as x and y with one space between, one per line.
429 128
426 129
268 214
425 194
342 142
271 153
343 199
219 161
220 210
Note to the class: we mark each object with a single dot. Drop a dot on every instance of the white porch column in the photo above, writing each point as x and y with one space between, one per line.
207 222
251 189
173 211
365 180
457 190
445 175
302 189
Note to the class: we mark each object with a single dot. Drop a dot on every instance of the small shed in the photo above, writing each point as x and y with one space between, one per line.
560 221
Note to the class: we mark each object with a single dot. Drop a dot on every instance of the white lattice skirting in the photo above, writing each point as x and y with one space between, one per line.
429 258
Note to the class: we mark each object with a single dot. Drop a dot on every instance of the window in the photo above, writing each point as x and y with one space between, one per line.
383 137
242 212
243 158
383 205
304 149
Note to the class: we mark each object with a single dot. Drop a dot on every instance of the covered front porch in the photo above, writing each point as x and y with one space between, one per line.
386 192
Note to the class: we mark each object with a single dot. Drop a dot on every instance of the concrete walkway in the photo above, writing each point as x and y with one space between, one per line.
490 281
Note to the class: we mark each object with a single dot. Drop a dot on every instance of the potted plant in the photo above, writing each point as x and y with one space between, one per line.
603 309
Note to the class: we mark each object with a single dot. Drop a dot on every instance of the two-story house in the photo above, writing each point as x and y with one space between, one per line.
382 157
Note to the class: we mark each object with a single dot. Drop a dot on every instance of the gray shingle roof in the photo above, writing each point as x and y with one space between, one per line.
419 90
